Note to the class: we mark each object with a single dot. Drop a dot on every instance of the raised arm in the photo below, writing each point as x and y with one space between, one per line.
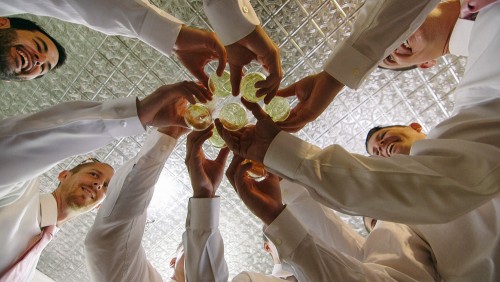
203 245
113 245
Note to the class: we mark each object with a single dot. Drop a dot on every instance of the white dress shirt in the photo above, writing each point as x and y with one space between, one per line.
465 249
376 33
132 18
32 144
232 20
455 170
113 244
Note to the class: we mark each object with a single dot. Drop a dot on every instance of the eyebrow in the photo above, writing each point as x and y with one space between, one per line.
43 43
45 49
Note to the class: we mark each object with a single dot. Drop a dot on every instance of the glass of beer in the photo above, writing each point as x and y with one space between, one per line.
216 140
278 109
247 86
198 117
257 171
220 85
233 116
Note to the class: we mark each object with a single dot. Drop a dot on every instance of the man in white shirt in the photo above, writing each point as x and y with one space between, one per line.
113 244
453 171
234 21
392 251
26 50
32 144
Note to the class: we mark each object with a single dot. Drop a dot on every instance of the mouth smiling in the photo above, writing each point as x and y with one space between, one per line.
24 60
89 191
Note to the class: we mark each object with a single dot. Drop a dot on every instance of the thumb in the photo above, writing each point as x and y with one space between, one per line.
256 110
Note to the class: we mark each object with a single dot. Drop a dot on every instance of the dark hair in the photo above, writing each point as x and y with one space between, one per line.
400 69
375 129
24 24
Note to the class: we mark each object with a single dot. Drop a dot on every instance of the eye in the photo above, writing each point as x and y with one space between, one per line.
94 174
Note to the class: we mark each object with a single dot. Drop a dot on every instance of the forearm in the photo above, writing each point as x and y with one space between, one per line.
314 261
132 18
380 27
320 221
34 143
231 19
444 179
203 244
113 244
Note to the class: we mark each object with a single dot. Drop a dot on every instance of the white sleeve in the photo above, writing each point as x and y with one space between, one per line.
132 18
34 143
231 19
203 244
320 221
314 261
381 26
441 180
113 245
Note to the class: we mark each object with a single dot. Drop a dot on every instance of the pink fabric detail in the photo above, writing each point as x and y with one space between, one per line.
25 265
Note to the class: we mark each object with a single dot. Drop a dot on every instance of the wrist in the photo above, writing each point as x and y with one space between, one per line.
269 217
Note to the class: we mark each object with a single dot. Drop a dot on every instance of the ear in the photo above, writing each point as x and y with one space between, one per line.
416 126
266 247
4 23
428 64
172 262
63 175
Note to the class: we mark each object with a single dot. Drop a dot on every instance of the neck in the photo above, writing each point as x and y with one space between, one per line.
453 8
64 213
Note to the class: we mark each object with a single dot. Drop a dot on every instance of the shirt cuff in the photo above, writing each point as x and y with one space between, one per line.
203 213
286 153
120 117
159 29
349 66
286 232
232 20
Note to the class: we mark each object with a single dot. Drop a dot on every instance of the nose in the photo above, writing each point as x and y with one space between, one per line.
39 58
98 186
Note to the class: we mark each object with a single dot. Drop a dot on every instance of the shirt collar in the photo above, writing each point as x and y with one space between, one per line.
460 36
48 210
279 272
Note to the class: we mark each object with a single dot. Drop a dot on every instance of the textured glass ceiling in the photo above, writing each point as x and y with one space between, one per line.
104 67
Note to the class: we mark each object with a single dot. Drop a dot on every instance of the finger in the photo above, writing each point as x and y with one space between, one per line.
236 74
201 75
241 180
293 123
222 156
256 110
230 137
270 96
195 142
222 55
189 92
287 91
199 91
230 172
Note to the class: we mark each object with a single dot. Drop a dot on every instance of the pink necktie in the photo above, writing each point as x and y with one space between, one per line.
25 265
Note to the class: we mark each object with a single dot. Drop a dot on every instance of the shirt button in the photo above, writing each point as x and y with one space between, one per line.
278 242
123 123
245 9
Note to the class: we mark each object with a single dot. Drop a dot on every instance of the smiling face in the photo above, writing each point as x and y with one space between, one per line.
26 54
428 42
86 188
394 140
